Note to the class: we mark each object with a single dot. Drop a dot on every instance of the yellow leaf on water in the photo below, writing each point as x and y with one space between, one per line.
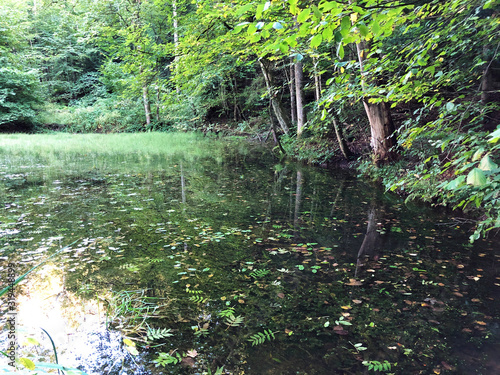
28 363
241 301
128 342
346 307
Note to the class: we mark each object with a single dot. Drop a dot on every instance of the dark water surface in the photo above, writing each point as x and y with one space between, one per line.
236 260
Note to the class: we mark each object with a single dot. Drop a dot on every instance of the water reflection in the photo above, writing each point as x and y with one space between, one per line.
243 263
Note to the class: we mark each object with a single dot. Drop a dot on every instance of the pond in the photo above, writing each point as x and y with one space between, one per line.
189 255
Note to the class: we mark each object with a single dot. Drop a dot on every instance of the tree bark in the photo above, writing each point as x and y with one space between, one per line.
278 110
147 105
317 80
299 95
291 86
341 140
157 103
379 115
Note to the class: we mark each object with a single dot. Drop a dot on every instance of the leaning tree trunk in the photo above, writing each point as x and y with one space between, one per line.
299 95
341 139
379 115
278 110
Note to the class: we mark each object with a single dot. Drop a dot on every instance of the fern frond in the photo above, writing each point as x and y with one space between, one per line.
259 273
158 333
198 299
227 312
233 321
261 337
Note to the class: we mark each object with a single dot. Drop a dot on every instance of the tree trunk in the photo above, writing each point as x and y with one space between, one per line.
291 86
317 80
278 110
382 131
175 22
341 140
379 115
157 103
299 94
147 105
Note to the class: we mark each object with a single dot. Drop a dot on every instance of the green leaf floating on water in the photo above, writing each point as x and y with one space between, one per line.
476 177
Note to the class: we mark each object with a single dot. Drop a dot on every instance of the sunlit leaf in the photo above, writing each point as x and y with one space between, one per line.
476 177
487 164
27 363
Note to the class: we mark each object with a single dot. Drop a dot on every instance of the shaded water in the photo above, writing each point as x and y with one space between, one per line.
235 260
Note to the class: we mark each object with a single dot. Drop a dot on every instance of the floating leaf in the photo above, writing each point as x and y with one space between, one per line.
28 363
354 282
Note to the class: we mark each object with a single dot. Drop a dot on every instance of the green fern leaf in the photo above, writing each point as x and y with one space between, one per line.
234 321
158 334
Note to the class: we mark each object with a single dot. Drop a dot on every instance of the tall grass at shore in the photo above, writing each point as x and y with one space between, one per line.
63 152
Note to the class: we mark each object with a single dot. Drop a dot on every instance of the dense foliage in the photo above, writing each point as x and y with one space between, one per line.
414 84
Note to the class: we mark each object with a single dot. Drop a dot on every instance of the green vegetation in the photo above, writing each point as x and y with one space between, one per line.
412 88
231 263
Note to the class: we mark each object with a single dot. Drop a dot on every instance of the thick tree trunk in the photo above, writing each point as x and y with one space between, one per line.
299 95
278 110
382 131
291 86
379 115
147 105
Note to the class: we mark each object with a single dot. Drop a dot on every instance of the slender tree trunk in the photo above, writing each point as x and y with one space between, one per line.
299 95
379 115
291 85
147 105
487 81
175 22
317 80
341 140
157 103
278 110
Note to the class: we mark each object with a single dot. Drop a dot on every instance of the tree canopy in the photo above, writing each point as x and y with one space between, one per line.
413 84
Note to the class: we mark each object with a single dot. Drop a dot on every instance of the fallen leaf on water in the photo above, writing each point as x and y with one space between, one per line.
281 295
480 322
241 301
192 353
447 366
357 301
354 282
346 307
339 330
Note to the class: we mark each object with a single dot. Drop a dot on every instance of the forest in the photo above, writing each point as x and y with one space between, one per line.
406 92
